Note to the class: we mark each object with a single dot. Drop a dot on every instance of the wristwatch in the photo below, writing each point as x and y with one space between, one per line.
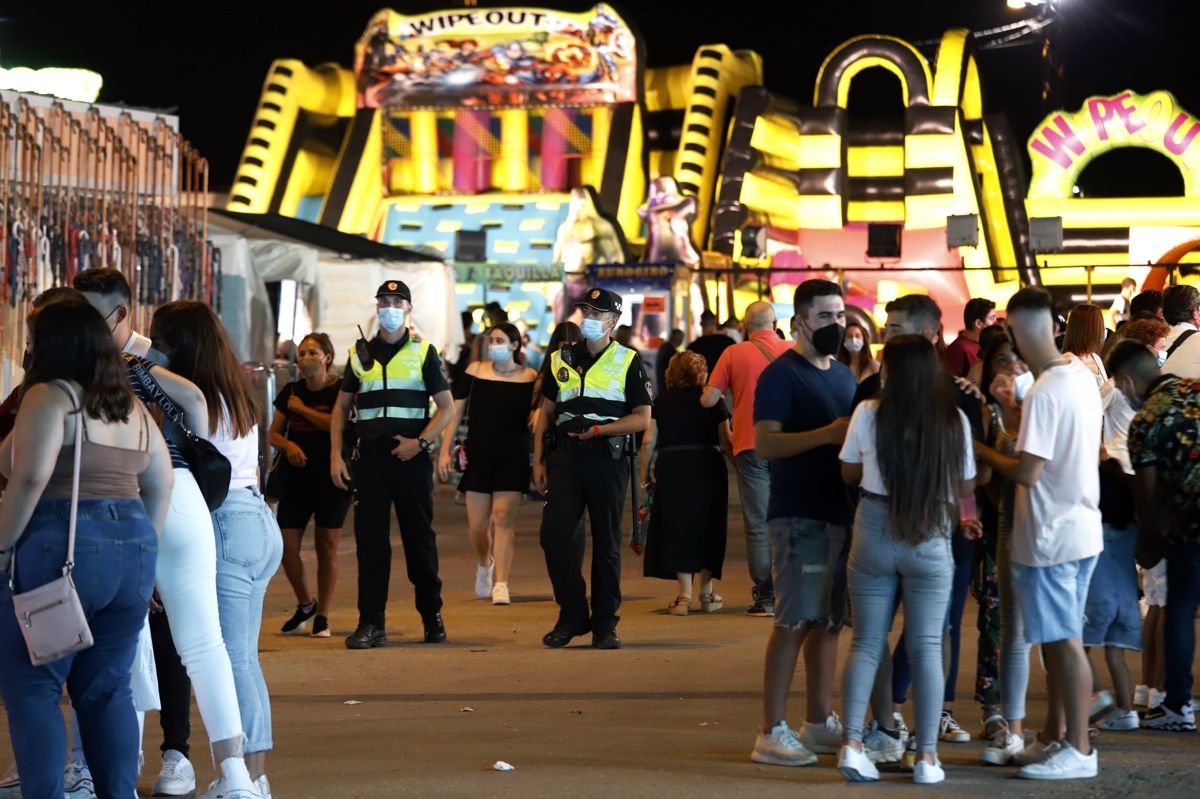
426 446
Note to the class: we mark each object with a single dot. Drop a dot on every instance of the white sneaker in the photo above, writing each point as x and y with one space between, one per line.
1121 721
1102 704
856 766
1154 698
781 747
483 580
928 773
217 790
881 747
500 594
950 731
264 786
177 777
1005 745
1141 695
824 739
77 781
1065 764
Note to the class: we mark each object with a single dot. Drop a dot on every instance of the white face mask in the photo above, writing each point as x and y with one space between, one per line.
853 345
1162 358
1021 385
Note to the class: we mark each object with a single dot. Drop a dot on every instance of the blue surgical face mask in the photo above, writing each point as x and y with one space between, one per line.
391 319
500 353
592 329
1021 385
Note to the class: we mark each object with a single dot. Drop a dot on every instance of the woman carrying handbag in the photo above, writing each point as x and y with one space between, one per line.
83 451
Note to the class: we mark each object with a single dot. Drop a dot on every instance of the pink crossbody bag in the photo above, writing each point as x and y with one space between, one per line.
51 616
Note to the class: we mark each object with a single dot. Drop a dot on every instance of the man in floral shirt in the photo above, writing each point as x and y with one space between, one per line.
1164 447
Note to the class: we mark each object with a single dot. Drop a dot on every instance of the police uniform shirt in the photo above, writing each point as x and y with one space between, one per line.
431 373
637 386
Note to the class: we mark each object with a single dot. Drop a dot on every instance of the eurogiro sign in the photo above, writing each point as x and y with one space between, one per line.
1066 142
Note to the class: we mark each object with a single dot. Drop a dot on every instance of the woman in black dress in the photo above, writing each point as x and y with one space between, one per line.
300 430
496 395
686 540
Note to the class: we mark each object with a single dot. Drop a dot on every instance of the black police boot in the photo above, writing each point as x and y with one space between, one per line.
367 636
435 631
563 632
606 639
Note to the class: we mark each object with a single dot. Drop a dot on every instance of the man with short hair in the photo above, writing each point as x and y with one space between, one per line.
663 357
1164 449
1120 312
391 380
108 291
599 395
1057 533
963 352
1148 304
712 341
737 372
801 410
1181 310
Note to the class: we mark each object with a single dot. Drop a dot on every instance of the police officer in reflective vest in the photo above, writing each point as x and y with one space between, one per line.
600 397
390 380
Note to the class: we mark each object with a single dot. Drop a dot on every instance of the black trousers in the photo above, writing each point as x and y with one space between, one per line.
585 476
174 687
383 482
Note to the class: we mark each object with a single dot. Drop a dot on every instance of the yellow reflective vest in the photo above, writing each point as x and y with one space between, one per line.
599 394
395 390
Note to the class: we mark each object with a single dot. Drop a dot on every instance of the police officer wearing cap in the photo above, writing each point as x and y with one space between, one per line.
600 397
390 381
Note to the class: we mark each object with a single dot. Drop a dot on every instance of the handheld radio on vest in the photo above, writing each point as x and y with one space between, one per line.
360 349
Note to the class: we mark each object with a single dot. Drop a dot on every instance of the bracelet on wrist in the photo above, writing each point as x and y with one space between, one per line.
596 431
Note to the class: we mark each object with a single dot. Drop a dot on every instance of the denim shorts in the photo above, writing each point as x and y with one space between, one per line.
1112 616
810 572
1053 599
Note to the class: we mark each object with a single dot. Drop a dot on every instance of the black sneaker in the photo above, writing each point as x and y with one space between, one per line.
299 620
762 607
367 636
435 631
320 627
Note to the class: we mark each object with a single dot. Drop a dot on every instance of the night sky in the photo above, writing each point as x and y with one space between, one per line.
209 63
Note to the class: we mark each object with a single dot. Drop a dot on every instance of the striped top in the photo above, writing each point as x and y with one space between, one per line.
177 460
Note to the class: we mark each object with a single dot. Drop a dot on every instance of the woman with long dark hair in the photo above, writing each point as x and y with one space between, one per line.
249 545
855 352
496 393
300 430
125 484
910 451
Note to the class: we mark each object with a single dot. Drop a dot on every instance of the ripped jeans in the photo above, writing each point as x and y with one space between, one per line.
810 572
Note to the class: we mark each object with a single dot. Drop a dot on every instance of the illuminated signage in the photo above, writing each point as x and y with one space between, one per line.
81 85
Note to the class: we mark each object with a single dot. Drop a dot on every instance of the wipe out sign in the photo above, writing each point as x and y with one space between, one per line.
1064 143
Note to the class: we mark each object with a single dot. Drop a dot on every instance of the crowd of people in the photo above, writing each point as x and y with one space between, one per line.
1052 473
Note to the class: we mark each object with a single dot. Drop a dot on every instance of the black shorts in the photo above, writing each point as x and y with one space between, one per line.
310 493
492 469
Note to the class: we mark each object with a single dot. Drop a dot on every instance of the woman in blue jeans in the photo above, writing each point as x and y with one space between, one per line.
125 483
249 544
910 452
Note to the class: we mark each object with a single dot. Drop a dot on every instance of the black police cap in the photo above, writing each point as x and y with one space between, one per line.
601 300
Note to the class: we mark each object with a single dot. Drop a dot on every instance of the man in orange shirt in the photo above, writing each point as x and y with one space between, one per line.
737 372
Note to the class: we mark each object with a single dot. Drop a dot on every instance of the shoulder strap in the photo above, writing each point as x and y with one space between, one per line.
1184 336
78 412
153 390
766 353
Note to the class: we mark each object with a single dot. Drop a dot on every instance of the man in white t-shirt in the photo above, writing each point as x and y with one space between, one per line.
1181 310
1057 533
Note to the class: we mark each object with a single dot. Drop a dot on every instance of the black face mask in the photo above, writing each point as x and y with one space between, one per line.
826 340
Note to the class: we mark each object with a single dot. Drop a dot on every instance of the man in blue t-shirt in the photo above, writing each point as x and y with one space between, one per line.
801 405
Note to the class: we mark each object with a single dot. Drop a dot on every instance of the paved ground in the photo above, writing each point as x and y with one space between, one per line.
673 714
